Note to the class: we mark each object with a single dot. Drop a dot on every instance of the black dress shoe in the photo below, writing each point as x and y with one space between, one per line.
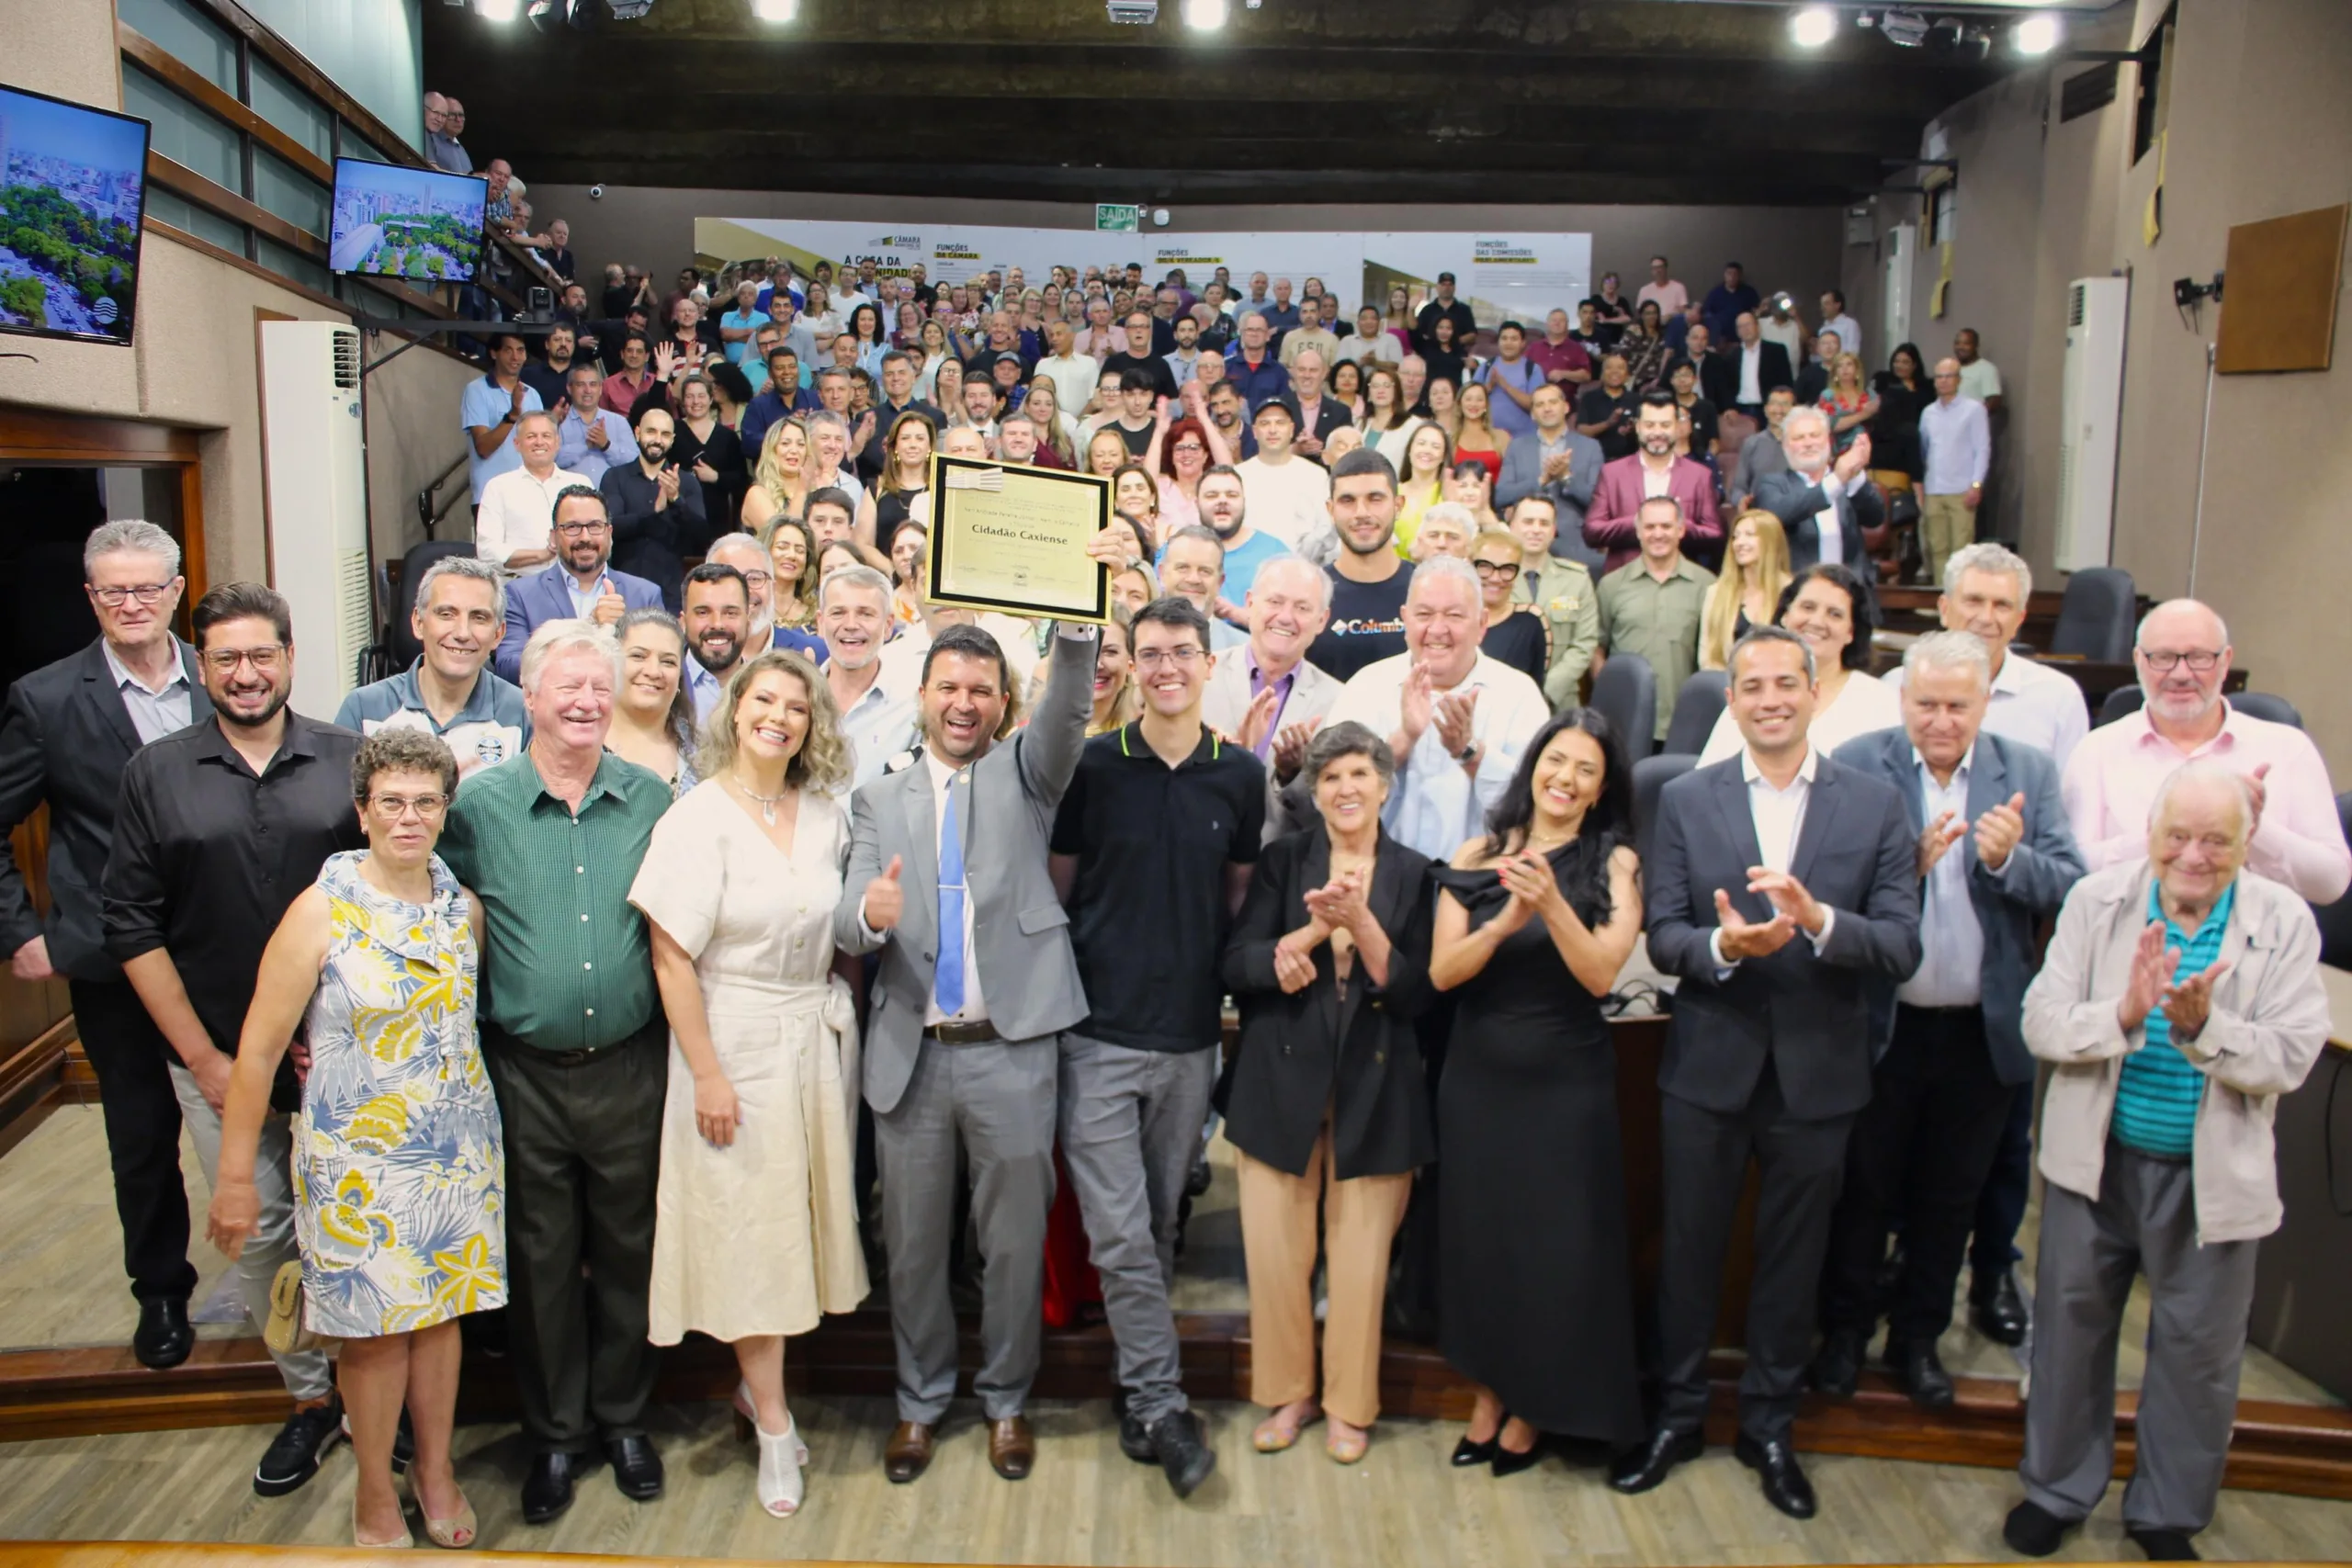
2163 1546
1639 1468
1838 1365
1467 1453
1510 1462
1134 1441
2032 1531
163 1338
1775 1464
547 1491
637 1469
1183 1457
293 1456
1998 1310
1919 1373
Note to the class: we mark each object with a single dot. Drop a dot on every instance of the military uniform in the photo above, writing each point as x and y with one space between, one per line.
1562 593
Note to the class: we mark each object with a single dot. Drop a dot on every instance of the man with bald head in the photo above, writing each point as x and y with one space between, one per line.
2180 999
445 122
2183 657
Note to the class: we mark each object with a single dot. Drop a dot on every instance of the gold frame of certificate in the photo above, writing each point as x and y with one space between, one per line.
1010 538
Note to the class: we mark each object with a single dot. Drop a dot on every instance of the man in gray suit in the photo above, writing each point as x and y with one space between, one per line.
1823 501
976 984
1995 852
1782 886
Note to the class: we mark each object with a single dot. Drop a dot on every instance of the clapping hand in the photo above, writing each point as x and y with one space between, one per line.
1939 836
1452 715
1556 468
2259 793
665 486
1290 747
1259 718
1293 963
1853 459
2150 977
2189 1004
1999 830
1529 876
1788 895
1415 705
886 901
1745 938
1338 905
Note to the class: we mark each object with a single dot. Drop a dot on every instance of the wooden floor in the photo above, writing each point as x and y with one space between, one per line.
1087 1504
60 1282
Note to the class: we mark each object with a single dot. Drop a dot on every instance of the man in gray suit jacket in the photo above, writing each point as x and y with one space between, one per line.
947 878
1813 484
1782 886
1553 461
1995 853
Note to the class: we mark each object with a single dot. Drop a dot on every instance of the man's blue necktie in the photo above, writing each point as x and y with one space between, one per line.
947 982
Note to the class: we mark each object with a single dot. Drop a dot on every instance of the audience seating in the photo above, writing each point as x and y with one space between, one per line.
1627 690
1651 775
398 649
2098 617
1696 708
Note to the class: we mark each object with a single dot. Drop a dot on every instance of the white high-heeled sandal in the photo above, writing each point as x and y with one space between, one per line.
781 1455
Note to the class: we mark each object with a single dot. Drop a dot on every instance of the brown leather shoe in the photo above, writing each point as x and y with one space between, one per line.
908 1454
1012 1447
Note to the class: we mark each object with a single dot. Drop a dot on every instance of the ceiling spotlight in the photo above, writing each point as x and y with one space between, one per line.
2035 35
498 10
1205 15
776 10
1813 27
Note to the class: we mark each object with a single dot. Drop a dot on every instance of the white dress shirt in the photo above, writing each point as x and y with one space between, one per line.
516 511
1778 816
156 712
1951 943
878 726
1751 372
1436 806
1957 444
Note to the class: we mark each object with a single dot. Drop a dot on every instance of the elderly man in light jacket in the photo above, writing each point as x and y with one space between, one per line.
2180 999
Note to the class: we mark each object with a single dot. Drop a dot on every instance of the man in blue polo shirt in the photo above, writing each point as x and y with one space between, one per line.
450 691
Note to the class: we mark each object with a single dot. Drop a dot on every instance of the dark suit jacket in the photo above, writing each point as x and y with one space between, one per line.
2040 870
1808 1013
1811 380
650 539
1303 1052
1797 502
542 596
64 738
1329 414
1719 376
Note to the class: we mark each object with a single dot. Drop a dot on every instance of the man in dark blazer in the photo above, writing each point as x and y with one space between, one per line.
656 507
1722 375
67 731
579 584
1815 483
1995 853
1782 887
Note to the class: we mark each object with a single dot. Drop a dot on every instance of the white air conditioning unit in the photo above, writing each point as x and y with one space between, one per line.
2090 414
314 458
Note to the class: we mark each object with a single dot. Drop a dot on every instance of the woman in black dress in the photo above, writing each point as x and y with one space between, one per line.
1534 1272
1512 638
713 454
1902 389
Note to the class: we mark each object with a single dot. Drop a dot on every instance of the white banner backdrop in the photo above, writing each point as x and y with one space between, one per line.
1500 277
1520 270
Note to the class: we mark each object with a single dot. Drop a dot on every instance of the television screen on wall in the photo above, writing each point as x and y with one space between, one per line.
397 221
72 188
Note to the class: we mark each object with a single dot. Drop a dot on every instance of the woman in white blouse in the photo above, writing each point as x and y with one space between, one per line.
1836 613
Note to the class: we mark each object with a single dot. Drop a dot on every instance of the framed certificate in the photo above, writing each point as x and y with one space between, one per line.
1009 537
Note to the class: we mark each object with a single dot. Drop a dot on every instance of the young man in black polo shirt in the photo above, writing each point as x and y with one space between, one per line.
1152 850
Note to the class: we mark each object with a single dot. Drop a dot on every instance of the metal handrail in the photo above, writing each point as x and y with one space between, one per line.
430 512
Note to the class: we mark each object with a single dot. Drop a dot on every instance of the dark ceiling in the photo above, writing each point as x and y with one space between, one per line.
1678 101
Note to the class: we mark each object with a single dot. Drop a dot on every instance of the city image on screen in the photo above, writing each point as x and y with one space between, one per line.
72 188
394 222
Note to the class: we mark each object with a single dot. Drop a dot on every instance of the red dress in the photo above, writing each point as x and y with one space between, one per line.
1493 460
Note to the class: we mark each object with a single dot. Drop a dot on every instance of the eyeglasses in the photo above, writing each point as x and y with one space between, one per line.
224 660
759 579
2198 662
1504 571
579 530
1153 658
145 593
1192 446
426 806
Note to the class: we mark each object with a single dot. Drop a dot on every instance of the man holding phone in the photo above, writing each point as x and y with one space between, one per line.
1605 412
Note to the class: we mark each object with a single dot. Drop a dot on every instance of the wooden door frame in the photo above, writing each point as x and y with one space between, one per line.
38 435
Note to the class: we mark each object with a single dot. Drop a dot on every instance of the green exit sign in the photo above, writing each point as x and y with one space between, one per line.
1111 218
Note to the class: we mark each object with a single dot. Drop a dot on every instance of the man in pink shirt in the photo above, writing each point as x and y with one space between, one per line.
1671 297
2183 655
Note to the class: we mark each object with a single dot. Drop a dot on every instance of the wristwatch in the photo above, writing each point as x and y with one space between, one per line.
1466 752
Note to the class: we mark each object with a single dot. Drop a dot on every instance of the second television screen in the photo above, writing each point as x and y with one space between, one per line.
395 221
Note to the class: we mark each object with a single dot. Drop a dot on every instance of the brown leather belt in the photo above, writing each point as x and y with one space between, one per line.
980 1033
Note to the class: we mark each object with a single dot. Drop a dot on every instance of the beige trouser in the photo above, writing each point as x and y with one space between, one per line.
1946 526
1278 1235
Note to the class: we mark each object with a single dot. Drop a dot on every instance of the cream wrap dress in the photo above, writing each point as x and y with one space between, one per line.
760 1237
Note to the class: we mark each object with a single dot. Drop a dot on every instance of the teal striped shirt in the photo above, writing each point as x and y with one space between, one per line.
2156 1102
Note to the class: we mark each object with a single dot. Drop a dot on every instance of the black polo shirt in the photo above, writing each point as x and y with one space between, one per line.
1147 913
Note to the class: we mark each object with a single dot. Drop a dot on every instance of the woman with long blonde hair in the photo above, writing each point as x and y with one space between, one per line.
780 479
1849 401
1756 567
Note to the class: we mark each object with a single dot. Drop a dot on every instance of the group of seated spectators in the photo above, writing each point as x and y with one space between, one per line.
699 834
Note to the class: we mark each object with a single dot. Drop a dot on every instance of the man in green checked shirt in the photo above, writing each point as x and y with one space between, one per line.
576 1044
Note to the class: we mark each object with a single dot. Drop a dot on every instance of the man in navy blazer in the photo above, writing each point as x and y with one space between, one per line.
1995 853
580 584
1815 483
1783 887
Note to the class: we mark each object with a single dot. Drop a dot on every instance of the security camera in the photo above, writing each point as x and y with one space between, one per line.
596 193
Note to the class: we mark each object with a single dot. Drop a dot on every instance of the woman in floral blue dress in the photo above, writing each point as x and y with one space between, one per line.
399 1169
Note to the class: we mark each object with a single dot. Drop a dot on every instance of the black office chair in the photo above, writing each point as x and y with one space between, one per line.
400 647
2265 705
2334 920
1651 775
1626 691
1696 708
2096 616
2121 701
